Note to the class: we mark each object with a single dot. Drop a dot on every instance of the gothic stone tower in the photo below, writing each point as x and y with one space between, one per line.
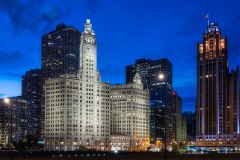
213 121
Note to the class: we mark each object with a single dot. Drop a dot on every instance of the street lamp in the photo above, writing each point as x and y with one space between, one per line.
7 101
162 77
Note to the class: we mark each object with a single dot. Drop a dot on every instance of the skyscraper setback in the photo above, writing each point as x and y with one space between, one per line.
217 92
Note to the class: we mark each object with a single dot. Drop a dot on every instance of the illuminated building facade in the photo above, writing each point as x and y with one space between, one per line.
120 143
77 112
130 113
184 130
18 117
217 93
177 117
160 89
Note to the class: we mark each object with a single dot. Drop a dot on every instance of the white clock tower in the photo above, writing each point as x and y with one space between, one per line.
82 109
88 53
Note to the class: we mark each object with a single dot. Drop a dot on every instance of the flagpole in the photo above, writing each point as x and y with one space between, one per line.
207 17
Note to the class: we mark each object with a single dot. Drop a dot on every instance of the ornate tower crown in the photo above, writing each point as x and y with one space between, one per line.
212 27
88 27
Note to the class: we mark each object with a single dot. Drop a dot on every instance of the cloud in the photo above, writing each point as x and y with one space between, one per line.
30 15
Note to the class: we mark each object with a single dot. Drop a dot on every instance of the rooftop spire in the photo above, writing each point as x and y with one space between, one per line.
88 25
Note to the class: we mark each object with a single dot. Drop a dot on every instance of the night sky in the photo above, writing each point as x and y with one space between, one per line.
126 30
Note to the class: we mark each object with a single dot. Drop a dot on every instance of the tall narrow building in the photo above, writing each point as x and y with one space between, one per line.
214 90
77 112
32 91
177 117
232 111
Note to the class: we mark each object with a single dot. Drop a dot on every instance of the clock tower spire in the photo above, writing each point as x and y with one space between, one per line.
88 52
88 27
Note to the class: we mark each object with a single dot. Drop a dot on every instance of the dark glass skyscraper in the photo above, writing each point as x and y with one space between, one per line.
157 78
32 86
32 91
60 51
217 92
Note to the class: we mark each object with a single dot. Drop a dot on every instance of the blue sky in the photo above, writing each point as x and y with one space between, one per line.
126 30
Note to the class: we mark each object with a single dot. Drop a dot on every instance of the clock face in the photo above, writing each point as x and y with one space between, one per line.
89 49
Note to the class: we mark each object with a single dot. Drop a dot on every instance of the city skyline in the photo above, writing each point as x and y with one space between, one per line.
145 29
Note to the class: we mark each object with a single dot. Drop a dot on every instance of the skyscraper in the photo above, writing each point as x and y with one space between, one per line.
149 71
77 112
157 78
32 90
60 55
60 51
130 114
32 86
177 117
217 94
184 129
